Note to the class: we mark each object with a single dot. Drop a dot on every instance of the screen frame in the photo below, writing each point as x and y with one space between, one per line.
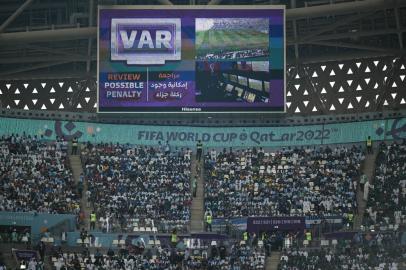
244 110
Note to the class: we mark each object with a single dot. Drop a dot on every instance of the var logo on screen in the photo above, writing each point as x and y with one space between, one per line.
145 41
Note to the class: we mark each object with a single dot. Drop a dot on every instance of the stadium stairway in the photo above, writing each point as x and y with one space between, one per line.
196 223
77 170
368 168
273 261
7 256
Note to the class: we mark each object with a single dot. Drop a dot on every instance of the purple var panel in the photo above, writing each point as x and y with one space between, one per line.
191 59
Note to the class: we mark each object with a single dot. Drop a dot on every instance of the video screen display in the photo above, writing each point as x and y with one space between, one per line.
191 59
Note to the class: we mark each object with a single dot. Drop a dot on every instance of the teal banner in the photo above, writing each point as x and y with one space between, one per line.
187 136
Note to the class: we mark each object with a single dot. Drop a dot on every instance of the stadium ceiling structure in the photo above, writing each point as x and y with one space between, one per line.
342 55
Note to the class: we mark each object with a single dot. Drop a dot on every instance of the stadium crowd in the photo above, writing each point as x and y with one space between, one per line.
386 205
377 252
292 181
236 54
222 257
137 182
36 176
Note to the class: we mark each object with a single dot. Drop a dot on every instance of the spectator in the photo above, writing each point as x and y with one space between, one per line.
36 176
299 181
386 205
137 184
369 145
74 146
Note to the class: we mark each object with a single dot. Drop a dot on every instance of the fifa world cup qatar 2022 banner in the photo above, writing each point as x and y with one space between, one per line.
191 59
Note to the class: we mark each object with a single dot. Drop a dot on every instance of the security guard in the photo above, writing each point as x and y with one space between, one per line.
245 236
209 220
308 236
93 220
369 145
74 146
350 219
174 238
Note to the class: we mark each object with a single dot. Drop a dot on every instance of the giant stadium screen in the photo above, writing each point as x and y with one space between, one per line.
191 59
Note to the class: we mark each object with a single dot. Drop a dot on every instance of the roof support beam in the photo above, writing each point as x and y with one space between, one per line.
356 46
45 58
333 26
165 2
48 35
214 2
341 8
39 66
90 39
15 15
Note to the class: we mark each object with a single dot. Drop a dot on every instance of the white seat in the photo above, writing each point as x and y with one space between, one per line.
115 242
324 242
142 229
24 239
122 242
260 243
136 229
157 242
151 242
334 242
50 240
305 243
79 241
148 229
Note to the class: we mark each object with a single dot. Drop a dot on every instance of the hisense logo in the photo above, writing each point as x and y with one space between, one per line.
145 41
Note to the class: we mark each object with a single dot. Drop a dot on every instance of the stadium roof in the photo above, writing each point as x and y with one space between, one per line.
344 56
55 38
